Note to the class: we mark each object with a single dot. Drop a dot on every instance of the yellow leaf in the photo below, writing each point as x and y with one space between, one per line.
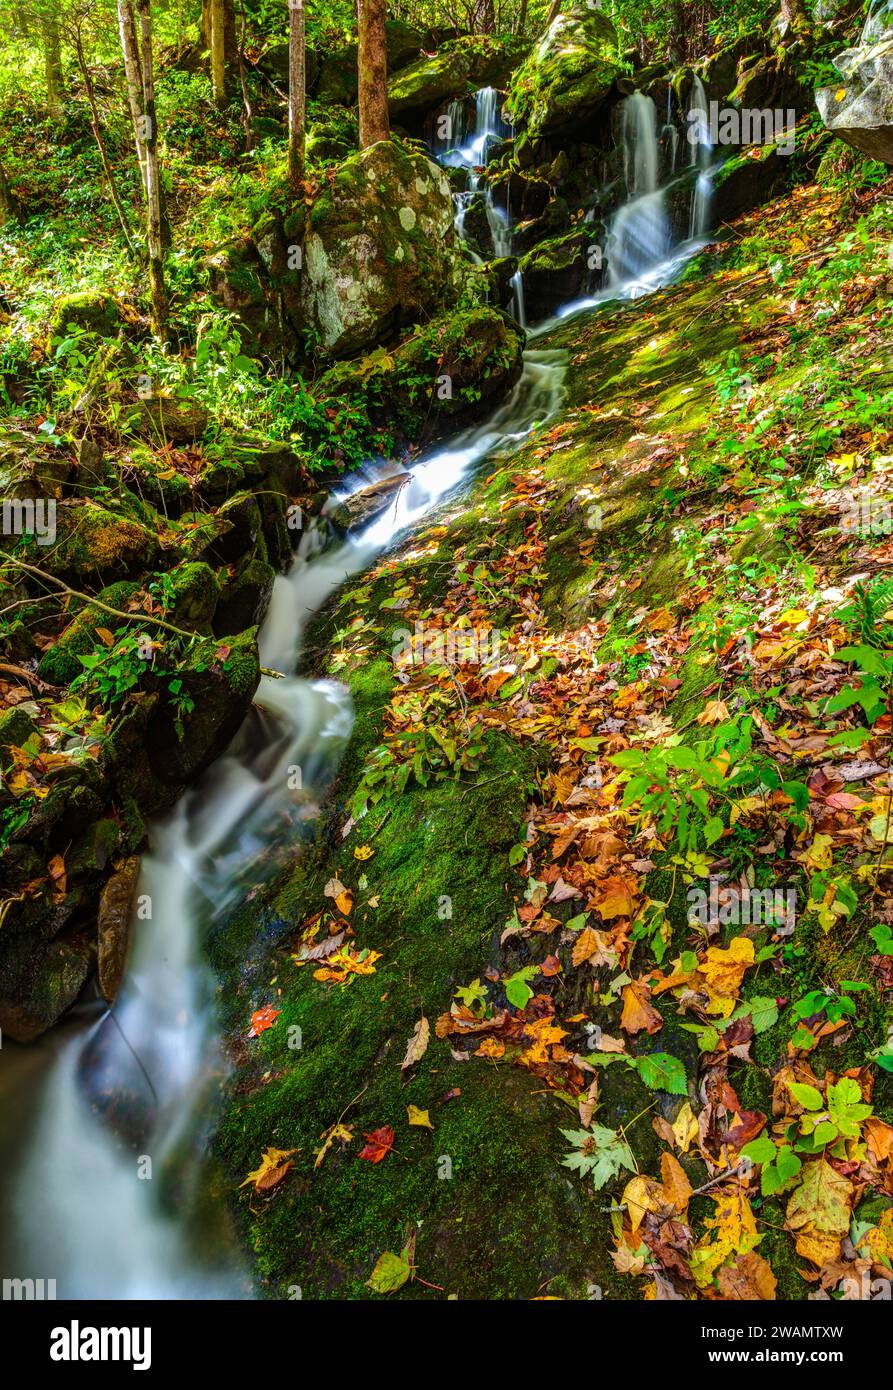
685 1128
723 970
363 852
274 1165
107 638
418 1117
818 856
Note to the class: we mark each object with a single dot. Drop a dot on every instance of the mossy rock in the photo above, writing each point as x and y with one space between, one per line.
97 313
16 727
169 420
381 249
568 76
59 665
220 689
194 596
244 600
555 272
460 68
57 973
450 372
93 543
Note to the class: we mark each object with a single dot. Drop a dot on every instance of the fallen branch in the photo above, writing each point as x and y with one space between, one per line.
117 612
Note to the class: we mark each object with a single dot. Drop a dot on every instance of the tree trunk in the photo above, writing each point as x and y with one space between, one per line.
149 133
100 143
221 22
133 78
296 94
372 64
10 207
52 61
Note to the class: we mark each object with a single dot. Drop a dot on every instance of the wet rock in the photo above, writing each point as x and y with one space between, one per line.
368 503
555 272
569 75
113 926
245 599
56 974
860 108
216 691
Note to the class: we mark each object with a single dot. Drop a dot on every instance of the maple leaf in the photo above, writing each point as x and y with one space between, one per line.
274 1165
418 1043
748 1276
378 1144
723 970
262 1019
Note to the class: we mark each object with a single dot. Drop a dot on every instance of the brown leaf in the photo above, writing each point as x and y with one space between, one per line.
418 1043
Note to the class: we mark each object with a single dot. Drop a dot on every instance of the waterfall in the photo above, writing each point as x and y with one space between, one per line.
640 233
471 155
701 157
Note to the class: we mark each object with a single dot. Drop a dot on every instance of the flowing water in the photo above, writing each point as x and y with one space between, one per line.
116 1205
107 1118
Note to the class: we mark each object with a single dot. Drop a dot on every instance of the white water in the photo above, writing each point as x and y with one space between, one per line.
80 1211
701 156
639 237
471 156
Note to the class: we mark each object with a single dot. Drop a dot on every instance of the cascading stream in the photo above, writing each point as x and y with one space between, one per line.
81 1209
108 1116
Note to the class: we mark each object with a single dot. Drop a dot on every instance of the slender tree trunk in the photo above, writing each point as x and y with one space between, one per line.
10 207
149 133
296 94
372 63
246 101
52 61
221 21
133 78
100 143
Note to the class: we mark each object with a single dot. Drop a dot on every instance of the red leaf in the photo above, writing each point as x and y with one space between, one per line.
378 1144
262 1019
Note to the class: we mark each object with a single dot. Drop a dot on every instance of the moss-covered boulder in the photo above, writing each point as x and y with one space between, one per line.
458 69
568 76
97 313
337 81
93 543
453 371
59 665
380 249
245 598
216 688
31 466
555 272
